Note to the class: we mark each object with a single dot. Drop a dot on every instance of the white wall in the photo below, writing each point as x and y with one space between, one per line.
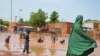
89 25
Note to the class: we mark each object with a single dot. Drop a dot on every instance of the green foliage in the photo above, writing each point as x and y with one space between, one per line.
54 17
26 22
2 22
6 23
21 20
38 19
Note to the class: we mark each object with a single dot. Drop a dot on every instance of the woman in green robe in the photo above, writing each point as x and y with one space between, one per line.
80 44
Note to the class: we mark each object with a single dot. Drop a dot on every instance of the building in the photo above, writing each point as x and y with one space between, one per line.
13 26
62 28
94 27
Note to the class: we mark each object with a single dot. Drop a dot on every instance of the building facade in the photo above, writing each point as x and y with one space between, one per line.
94 29
62 28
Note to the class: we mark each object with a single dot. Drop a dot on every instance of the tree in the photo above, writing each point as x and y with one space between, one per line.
26 22
54 17
21 20
38 19
1 22
6 23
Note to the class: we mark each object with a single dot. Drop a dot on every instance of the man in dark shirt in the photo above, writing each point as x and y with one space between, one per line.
26 43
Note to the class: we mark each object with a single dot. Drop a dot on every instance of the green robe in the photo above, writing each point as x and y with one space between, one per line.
80 43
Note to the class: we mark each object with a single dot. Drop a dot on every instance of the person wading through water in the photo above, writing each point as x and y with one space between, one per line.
26 43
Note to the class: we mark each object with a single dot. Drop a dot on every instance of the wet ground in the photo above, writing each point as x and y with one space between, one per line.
47 48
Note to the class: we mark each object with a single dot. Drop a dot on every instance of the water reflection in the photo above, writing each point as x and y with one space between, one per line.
37 50
25 55
53 49
40 51
43 49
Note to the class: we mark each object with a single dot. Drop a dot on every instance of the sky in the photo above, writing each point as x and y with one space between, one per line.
67 9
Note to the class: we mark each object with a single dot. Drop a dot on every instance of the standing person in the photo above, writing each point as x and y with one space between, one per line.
80 44
26 43
7 42
54 37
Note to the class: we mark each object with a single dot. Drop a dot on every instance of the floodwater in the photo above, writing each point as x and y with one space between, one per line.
46 48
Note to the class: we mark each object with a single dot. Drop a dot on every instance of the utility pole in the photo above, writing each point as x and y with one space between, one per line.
11 10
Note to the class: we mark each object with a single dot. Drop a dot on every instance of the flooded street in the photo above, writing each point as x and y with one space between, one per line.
47 48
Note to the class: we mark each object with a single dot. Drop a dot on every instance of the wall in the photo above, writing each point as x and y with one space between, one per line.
64 27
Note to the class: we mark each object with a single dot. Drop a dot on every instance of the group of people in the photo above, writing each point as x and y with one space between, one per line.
25 37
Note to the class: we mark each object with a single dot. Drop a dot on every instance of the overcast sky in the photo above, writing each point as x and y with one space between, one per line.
67 9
